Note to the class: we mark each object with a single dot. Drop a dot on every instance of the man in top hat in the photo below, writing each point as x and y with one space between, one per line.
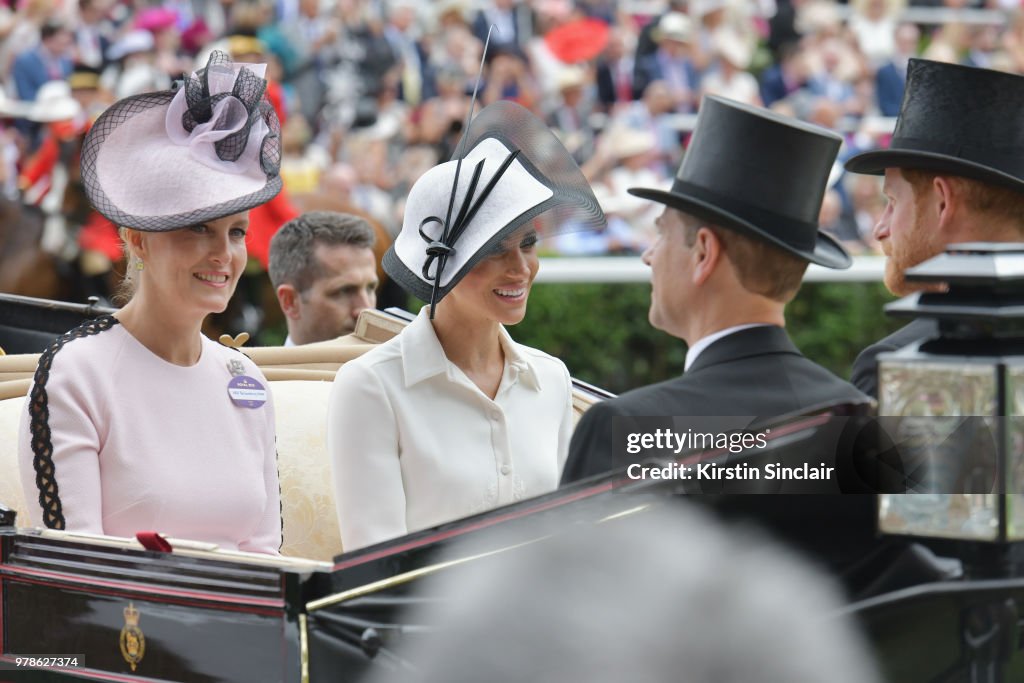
954 172
738 230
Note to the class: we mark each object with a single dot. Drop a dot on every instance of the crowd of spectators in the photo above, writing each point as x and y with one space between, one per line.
372 93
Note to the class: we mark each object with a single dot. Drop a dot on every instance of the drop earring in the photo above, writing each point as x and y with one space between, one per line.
139 265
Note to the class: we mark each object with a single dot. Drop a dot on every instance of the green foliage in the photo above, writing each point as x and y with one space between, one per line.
602 334
832 322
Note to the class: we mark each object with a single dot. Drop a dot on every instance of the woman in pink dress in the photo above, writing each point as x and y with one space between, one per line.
136 421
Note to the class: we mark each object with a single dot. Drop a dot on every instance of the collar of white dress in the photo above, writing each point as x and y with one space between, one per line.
423 357
705 342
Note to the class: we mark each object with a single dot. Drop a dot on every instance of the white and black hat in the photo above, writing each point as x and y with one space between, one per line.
510 172
208 148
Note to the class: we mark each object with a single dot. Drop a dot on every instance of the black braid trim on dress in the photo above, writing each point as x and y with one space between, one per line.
280 497
39 426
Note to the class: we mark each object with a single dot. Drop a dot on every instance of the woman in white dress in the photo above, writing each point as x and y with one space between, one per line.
452 417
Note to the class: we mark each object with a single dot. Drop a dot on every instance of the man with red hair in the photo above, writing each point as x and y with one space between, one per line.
954 172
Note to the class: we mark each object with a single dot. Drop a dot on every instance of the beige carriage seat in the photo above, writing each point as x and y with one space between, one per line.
15 368
300 378
307 492
10 483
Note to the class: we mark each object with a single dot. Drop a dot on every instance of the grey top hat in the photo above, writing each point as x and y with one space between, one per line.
759 173
959 120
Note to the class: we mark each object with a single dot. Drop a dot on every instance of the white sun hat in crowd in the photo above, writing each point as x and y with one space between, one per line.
209 148
674 26
131 43
11 108
53 103
513 175
732 46
622 142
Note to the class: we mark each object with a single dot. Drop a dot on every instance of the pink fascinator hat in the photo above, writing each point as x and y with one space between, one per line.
208 148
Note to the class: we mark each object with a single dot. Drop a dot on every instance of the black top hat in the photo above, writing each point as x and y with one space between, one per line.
760 173
956 119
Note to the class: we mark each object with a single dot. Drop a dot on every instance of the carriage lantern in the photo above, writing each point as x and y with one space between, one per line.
952 399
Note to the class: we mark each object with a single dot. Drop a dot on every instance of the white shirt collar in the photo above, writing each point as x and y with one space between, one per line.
705 342
288 341
423 357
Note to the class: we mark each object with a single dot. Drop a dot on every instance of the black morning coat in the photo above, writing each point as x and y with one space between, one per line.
755 372
865 368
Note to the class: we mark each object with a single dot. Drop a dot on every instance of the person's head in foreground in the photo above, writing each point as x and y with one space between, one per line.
472 244
954 171
662 595
740 223
324 273
179 170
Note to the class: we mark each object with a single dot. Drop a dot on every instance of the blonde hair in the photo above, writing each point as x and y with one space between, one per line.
126 290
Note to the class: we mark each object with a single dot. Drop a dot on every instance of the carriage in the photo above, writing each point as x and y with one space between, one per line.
935 608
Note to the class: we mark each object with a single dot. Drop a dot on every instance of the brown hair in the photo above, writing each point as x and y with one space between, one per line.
292 257
992 201
762 268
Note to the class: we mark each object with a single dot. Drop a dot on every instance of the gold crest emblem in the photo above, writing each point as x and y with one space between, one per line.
133 641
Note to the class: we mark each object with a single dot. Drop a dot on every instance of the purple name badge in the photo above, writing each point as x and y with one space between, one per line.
246 392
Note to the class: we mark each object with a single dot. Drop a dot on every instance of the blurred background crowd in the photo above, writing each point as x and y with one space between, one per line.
371 93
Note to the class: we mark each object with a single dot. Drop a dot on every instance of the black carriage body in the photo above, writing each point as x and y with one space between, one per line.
29 325
208 619
205 616
173 617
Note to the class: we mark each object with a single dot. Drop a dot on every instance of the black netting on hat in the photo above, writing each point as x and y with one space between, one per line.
270 148
124 110
248 89
571 208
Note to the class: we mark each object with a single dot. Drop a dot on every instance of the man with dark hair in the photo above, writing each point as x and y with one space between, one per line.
324 273
737 233
953 173
48 61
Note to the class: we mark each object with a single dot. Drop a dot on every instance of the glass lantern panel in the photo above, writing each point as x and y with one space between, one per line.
943 418
925 389
1015 450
